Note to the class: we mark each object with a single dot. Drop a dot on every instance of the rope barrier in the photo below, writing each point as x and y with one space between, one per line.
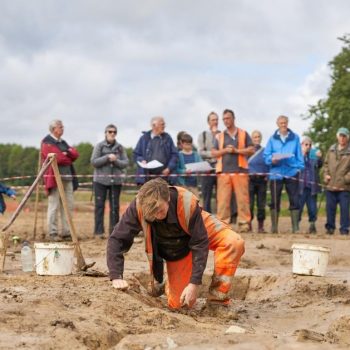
130 176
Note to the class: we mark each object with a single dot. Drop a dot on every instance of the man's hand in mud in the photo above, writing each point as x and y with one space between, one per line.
120 284
189 295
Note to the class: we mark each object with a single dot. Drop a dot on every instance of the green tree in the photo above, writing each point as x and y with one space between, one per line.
82 165
333 112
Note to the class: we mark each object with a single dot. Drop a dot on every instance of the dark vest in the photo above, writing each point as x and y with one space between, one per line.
171 241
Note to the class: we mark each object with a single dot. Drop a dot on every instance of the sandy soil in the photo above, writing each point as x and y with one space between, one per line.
277 310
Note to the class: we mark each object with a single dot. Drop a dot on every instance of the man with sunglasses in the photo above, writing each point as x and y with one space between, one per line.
109 160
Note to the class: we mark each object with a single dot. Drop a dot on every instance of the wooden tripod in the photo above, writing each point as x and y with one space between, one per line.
4 237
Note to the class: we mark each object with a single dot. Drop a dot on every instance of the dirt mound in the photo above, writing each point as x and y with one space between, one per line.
339 331
276 309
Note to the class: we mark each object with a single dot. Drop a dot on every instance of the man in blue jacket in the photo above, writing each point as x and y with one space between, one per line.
156 144
284 156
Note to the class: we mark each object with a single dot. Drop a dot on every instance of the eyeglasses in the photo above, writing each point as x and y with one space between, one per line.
307 144
111 131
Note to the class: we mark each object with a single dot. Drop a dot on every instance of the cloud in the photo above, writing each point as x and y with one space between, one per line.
91 63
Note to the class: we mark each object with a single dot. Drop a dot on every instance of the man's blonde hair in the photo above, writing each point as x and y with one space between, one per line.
150 196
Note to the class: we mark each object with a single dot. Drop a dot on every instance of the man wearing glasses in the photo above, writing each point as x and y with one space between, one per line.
108 158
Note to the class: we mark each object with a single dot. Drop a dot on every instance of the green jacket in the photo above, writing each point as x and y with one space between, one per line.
337 166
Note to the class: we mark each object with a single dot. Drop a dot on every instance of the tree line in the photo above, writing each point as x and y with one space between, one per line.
16 160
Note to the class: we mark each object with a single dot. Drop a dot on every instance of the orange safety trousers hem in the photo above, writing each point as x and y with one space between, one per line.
228 247
239 184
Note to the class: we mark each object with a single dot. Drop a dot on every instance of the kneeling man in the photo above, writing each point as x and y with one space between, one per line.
178 231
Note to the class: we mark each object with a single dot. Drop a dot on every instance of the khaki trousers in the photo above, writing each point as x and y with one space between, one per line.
55 208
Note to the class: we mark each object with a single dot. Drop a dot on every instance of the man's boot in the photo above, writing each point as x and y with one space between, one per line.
274 221
261 226
312 227
244 227
294 214
250 228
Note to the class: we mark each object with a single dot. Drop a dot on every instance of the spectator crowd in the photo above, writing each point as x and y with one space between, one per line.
235 173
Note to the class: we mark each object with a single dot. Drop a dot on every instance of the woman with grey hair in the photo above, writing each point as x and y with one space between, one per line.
109 158
309 182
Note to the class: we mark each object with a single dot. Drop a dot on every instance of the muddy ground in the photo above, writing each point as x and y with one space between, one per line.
277 310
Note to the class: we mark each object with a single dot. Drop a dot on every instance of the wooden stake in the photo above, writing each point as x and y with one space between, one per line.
81 265
37 193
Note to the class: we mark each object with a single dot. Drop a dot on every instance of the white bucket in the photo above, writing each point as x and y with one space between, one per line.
54 258
309 259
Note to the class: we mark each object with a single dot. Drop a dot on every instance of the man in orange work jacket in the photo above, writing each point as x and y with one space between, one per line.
232 149
178 231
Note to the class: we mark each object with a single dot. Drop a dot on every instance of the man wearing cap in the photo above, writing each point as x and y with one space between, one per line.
337 180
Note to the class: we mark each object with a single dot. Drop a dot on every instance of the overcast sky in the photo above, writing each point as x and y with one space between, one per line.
91 63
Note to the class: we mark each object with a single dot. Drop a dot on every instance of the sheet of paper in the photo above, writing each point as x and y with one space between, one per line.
279 156
198 167
153 164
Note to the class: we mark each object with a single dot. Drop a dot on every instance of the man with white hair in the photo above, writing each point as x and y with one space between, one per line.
284 157
65 155
337 178
156 144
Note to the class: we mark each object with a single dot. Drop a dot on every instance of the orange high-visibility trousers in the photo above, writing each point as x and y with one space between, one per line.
228 247
226 184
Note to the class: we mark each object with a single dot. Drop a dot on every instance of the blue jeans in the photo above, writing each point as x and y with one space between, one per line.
311 203
332 199
208 184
